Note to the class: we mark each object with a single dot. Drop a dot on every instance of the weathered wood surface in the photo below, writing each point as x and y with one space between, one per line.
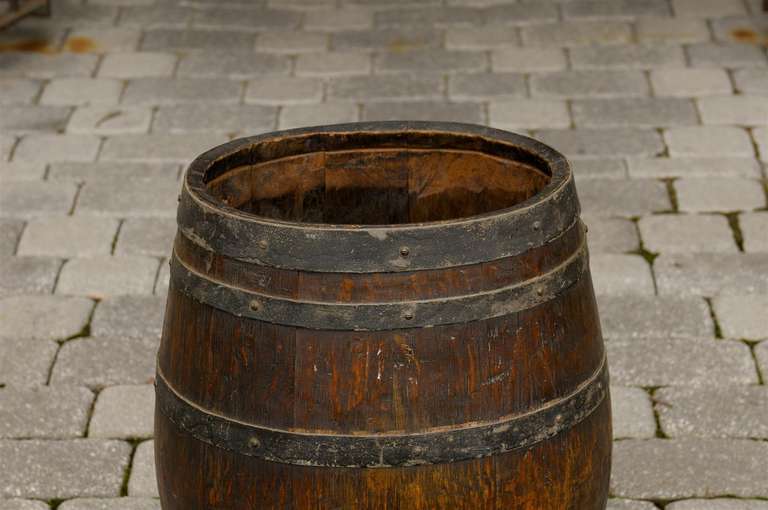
286 381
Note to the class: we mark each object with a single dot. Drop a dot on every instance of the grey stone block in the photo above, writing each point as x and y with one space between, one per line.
386 88
137 65
72 14
284 91
728 411
719 194
136 198
760 136
390 39
292 42
634 112
28 275
693 167
333 64
761 356
751 81
632 413
621 274
25 362
146 236
172 40
256 20
522 60
22 171
707 8
482 86
641 468
488 38
682 233
115 171
671 30
47 66
129 317
161 15
159 91
730 56
43 316
680 362
703 274
627 57
109 120
44 412
621 9
240 64
598 168
654 317
742 316
612 143
98 277
81 91
89 39
739 29
124 412
431 61
690 82
629 504
45 148
163 279
21 119
62 469
204 118
434 111
10 232
19 90
7 143
68 236
577 84
159 148
739 110
577 33
143 480
99 362
719 504
611 235
754 227
302 115
523 114
611 197
344 18
111 504
22 504
438 16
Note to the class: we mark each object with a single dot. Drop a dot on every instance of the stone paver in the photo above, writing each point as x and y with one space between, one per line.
129 317
124 412
728 411
142 481
654 317
742 316
683 233
68 236
677 361
45 412
99 362
702 274
62 469
641 468
632 413
659 105
101 276
43 316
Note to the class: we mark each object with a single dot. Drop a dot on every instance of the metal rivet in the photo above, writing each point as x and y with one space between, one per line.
559 418
255 305
254 442
408 316
263 244
536 225
404 251
540 291
178 199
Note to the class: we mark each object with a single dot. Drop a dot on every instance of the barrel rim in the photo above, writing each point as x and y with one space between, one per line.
222 229
556 162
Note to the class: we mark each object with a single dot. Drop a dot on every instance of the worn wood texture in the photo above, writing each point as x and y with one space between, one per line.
508 410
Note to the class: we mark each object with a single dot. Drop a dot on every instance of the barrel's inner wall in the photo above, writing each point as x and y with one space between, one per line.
374 186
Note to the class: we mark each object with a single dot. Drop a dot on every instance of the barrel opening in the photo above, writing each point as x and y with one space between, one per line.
376 178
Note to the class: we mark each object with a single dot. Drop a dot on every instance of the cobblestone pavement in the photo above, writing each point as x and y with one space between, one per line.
661 104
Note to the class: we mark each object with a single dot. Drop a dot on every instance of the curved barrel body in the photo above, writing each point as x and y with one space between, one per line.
382 316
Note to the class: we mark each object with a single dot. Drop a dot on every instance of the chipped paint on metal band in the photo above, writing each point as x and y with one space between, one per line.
379 316
433 446
225 230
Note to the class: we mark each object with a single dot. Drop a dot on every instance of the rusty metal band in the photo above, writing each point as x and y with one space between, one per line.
222 229
379 316
434 446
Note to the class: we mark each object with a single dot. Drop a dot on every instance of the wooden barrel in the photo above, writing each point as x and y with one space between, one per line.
393 315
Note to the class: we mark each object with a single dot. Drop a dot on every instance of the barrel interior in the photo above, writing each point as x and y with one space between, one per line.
377 181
